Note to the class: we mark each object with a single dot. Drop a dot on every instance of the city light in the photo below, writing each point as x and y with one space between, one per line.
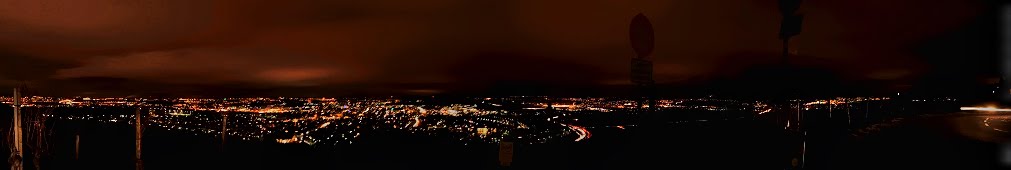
334 121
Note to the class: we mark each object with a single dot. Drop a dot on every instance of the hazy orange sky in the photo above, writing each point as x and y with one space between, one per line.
101 46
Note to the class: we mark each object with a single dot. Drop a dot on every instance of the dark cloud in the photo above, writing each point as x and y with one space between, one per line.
287 47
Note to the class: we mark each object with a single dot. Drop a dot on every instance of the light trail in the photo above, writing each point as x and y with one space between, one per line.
583 133
985 109
417 121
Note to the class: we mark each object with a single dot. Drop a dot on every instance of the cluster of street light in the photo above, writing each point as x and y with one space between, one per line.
332 121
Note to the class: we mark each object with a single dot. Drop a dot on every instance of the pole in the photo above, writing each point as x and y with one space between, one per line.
138 133
849 118
77 147
786 51
16 152
800 117
803 152
830 108
224 129
867 109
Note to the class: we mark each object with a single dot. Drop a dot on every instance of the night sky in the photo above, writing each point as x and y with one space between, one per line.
326 47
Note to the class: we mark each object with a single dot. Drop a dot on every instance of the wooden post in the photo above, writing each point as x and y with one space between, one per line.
224 129
16 151
139 132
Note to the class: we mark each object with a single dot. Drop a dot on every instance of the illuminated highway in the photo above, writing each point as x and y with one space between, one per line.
583 133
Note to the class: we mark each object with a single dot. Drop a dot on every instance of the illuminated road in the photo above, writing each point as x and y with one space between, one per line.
417 121
967 140
988 127
583 133
999 123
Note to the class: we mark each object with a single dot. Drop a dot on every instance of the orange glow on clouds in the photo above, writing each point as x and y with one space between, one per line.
294 74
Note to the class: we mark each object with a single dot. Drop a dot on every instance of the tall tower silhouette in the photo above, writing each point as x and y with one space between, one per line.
790 26
640 35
